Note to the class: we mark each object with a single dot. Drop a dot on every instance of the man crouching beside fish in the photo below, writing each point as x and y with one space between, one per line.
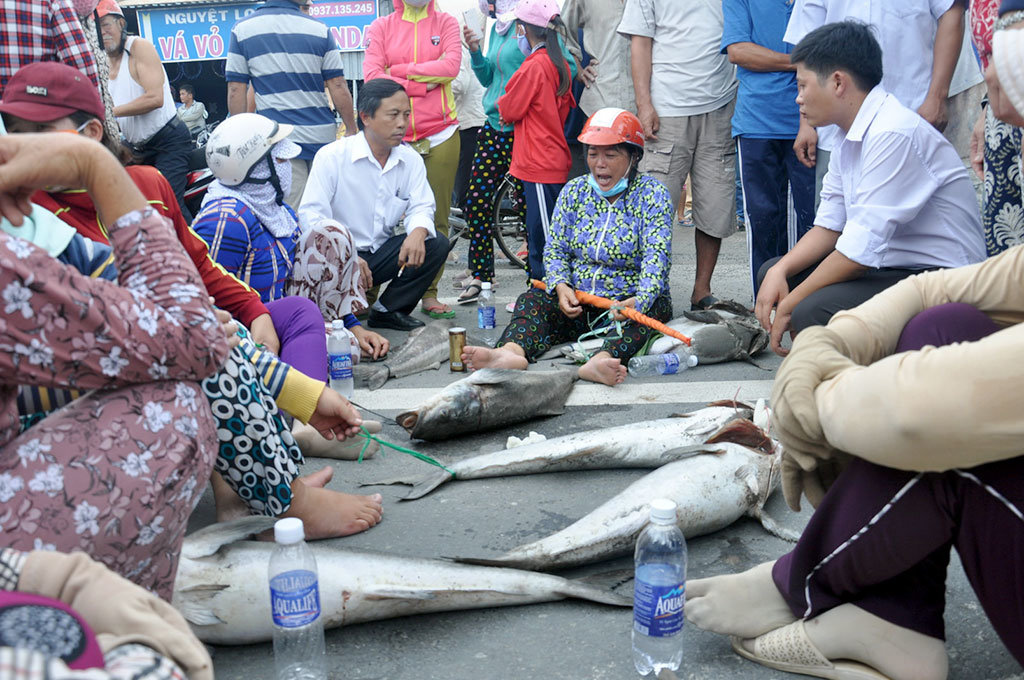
933 364
611 235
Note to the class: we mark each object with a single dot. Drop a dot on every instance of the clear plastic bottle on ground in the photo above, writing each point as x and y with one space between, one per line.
659 590
339 359
662 364
485 316
295 605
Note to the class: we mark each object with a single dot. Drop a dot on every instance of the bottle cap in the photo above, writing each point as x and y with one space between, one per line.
337 325
289 530
663 511
486 285
691 360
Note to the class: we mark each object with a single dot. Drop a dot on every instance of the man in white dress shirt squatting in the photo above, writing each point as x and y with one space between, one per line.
371 181
896 199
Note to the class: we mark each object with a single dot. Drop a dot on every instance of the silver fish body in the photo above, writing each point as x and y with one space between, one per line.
426 348
647 444
487 399
221 586
711 492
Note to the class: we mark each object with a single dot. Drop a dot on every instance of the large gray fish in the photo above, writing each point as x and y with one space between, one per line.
711 492
489 398
221 587
426 348
647 444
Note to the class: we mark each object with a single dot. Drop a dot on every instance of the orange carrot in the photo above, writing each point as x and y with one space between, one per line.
628 312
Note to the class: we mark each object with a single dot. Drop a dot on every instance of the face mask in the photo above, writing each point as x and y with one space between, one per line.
524 45
619 187
84 8
416 3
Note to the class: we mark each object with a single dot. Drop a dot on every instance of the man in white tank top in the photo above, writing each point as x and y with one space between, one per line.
142 101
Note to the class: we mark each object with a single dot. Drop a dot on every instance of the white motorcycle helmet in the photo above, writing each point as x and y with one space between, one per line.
239 143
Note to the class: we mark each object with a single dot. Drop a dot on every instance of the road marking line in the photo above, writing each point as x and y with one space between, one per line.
638 394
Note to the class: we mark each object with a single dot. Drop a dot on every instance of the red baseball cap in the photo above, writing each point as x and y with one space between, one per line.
48 90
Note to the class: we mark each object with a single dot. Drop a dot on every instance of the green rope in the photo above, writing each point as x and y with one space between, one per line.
415 454
599 331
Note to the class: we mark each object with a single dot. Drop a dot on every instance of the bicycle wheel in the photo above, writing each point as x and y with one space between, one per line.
509 222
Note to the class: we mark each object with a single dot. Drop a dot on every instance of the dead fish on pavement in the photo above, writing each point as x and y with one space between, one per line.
426 348
647 444
489 398
711 492
221 587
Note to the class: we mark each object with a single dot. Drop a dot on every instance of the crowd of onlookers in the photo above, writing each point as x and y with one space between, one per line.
147 350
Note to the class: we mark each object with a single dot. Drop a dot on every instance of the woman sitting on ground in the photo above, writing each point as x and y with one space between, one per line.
255 235
611 235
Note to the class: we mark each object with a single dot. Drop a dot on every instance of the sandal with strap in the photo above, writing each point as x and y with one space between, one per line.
470 293
789 649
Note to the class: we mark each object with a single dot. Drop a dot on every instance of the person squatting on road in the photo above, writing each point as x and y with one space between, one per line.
611 235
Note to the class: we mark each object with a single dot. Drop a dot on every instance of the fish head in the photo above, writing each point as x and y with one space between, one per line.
455 405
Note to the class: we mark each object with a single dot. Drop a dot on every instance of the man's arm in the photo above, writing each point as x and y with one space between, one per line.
754 57
145 67
236 98
641 49
342 99
949 36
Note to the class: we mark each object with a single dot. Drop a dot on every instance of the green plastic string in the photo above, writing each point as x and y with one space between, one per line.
597 331
415 454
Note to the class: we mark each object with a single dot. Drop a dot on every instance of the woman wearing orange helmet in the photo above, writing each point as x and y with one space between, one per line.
611 235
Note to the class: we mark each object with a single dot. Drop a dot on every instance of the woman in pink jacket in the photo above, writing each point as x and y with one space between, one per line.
420 48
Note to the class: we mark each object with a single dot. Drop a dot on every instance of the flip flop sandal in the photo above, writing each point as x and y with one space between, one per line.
438 312
704 303
789 649
470 293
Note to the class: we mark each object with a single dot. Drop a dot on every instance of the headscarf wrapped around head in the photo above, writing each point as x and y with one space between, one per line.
1008 57
500 7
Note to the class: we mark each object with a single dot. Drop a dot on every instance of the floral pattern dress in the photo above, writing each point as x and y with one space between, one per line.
117 472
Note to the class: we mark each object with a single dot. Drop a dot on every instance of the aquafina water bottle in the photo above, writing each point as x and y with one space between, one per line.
659 591
339 359
295 605
485 316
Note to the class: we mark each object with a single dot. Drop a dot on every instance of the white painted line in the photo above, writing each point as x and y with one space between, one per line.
587 394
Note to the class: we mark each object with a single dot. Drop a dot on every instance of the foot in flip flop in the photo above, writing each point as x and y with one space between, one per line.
747 604
704 303
435 309
471 292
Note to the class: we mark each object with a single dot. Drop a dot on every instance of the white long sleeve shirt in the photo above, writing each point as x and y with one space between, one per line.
899 193
347 184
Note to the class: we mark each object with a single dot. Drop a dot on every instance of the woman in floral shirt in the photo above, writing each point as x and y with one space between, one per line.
611 235
117 472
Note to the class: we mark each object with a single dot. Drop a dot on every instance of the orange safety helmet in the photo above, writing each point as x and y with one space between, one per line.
613 126
106 7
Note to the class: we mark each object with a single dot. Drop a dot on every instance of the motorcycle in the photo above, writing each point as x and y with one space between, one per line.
198 180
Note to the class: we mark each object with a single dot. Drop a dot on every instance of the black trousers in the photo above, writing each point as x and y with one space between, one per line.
466 153
169 151
404 292
818 307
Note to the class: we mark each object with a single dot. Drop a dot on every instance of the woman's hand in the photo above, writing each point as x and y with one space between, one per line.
978 147
334 417
567 301
263 332
373 345
616 309
471 39
229 326
588 75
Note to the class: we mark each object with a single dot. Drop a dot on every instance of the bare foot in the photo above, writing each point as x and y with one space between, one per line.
318 479
606 370
313 444
328 514
476 358
745 605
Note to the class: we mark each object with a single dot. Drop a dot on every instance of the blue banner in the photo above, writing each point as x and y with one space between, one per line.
203 32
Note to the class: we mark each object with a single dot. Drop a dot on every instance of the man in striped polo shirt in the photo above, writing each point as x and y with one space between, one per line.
289 57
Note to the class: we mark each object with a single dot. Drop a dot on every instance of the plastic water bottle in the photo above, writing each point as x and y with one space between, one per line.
659 590
295 605
662 364
339 359
485 319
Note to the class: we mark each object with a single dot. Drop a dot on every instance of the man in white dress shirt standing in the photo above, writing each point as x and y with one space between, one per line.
896 199
370 182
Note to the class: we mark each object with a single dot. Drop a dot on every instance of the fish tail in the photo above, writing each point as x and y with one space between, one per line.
421 485
773 527
379 375
602 587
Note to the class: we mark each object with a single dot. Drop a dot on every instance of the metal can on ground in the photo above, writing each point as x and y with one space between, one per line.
456 341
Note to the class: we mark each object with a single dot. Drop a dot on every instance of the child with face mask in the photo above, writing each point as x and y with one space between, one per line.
537 100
